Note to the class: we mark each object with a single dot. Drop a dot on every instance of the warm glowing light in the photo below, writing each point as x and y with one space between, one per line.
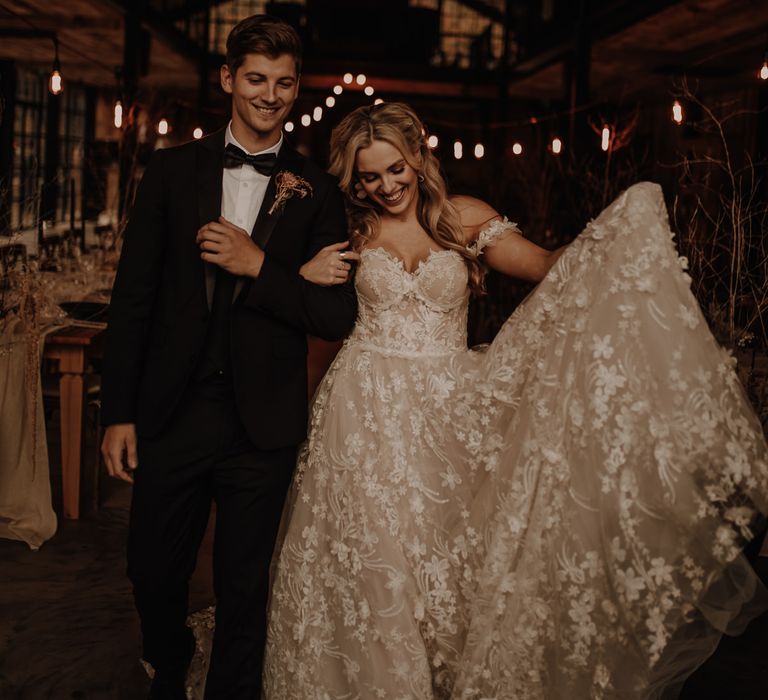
288 126
677 112
605 143
317 114
764 71
479 150
557 146
368 90
306 120
458 150
162 127
348 78
378 101
330 101
118 114
198 133
337 89
360 79
55 83
432 141
517 148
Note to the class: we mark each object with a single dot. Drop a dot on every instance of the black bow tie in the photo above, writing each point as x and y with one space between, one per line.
263 163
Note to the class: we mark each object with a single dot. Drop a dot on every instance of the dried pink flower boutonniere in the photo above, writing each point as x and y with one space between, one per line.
288 185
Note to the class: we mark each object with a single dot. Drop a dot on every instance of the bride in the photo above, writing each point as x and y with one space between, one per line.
560 516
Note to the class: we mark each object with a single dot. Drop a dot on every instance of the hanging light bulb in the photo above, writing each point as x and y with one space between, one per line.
162 127
288 126
337 89
330 101
458 150
55 81
432 141
348 78
118 114
605 142
368 90
517 148
317 114
557 146
677 112
479 150
763 74
360 80
197 133
306 120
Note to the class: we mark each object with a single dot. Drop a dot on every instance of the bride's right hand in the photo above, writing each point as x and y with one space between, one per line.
330 265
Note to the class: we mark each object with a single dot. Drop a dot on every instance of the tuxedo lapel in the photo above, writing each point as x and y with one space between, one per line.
287 159
210 165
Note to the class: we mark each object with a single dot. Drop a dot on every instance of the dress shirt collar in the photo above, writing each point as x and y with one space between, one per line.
229 137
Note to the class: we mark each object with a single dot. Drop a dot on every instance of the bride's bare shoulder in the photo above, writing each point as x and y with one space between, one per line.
474 214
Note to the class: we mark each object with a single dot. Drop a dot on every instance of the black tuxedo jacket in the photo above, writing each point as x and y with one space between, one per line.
159 311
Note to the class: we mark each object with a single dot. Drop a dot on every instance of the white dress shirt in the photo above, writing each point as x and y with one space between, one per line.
242 193
243 188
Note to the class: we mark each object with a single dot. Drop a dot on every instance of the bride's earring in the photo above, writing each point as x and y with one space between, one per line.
359 191
420 178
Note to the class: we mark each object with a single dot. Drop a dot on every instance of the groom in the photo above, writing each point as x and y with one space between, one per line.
205 384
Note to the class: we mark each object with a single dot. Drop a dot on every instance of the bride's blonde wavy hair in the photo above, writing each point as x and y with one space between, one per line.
397 124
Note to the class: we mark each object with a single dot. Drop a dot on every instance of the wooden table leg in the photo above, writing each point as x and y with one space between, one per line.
71 403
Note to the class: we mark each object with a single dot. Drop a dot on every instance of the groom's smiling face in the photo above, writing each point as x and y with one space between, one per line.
263 91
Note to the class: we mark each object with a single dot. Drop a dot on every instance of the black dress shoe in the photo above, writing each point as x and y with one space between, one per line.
168 686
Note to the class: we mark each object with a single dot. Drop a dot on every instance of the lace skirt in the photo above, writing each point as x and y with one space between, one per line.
558 517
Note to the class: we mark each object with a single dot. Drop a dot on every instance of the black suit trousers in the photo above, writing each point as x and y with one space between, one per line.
204 454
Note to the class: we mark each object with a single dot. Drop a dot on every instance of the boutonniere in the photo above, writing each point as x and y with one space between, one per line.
289 184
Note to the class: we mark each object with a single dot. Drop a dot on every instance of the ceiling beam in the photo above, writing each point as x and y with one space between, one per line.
602 23
162 28
489 11
188 9
55 23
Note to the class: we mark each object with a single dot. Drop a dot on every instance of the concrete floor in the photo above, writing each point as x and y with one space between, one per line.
68 628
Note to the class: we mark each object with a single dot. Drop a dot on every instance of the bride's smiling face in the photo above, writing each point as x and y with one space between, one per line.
387 178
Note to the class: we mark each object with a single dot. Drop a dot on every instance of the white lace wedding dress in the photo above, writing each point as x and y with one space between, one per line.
559 516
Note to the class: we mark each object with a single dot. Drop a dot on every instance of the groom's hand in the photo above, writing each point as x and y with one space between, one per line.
120 439
230 247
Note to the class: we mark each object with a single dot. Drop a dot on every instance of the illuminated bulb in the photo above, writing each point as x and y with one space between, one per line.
458 150
517 148
378 101
118 114
348 78
55 82
677 112
432 141
337 89
330 101
764 71
306 120
162 127
198 133
317 114
360 79
479 150
288 126
368 90
605 144
557 146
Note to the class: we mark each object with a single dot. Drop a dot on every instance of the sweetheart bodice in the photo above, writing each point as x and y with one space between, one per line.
423 312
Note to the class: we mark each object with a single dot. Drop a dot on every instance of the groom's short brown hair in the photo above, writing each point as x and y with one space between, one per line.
265 35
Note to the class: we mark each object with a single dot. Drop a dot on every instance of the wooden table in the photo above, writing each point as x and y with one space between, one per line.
72 347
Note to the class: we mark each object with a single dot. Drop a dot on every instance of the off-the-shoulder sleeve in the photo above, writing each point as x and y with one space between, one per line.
492 233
